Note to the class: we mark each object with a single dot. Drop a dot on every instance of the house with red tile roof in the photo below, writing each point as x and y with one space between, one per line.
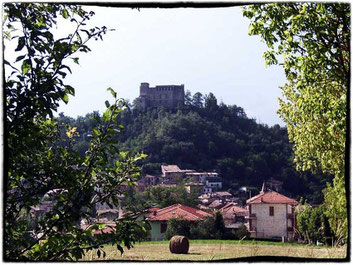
159 218
216 204
233 215
271 215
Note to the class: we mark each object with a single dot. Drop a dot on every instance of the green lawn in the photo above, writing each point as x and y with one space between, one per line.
207 250
232 242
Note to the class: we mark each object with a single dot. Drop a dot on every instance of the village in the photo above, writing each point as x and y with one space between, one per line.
267 215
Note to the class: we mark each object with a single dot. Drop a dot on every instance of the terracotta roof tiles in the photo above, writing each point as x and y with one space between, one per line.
232 208
271 197
177 210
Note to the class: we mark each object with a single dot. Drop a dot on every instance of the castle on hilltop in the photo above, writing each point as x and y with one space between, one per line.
168 96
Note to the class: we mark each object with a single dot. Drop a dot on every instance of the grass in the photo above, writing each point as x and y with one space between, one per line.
208 250
232 242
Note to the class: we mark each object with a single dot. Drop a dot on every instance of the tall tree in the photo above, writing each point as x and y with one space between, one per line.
211 102
314 40
41 164
197 100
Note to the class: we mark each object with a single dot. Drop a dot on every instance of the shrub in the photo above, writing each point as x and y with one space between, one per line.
313 225
241 233
177 226
212 228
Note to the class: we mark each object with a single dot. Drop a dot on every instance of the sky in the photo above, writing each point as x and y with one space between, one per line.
206 49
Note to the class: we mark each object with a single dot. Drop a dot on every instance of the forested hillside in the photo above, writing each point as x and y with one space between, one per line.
204 135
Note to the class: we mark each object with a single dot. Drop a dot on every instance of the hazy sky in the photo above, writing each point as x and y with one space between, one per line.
206 49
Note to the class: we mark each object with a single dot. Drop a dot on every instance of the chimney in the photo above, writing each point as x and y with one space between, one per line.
154 213
263 187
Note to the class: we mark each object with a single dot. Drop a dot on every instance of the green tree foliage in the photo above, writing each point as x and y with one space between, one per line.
243 152
312 224
241 233
335 209
178 226
166 196
198 100
210 228
39 160
213 228
314 42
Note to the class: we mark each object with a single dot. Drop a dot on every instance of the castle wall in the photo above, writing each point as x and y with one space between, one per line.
169 96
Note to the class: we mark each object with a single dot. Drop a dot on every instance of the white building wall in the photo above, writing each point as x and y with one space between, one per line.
270 226
156 234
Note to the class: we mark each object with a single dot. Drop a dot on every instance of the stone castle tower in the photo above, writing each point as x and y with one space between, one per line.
169 96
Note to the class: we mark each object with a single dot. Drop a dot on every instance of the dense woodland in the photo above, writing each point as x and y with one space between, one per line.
205 135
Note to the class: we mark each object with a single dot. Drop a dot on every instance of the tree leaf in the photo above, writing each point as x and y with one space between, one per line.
25 66
64 13
65 98
21 44
70 90
19 58
112 92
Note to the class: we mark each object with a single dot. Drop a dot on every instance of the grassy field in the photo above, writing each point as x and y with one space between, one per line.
208 250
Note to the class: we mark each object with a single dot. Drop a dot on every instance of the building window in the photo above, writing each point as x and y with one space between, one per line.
163 227
272 211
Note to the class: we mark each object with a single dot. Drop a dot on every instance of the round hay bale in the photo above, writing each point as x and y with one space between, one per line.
179 245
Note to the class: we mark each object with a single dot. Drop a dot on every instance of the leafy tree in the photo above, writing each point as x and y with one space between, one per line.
197 100
243 152
188 98
166 196
314 40
312 223
241 233
219 227
213 227
39 161
335 210
211 102
177 226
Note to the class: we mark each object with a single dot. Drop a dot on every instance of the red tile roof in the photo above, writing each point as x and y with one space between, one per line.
231 209
152 209
217 204
271 197
178 210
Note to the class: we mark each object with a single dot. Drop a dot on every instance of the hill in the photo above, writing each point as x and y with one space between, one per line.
205 136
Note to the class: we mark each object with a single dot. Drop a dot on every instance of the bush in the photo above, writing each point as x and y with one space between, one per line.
241 233
177 226
313 225
212 228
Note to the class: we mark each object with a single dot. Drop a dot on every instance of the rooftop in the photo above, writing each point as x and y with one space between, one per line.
271 197
202 173
177 210
193 184
217 204
232 208
171 168
222 193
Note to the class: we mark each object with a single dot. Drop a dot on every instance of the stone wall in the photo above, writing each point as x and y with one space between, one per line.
168 96
271 226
